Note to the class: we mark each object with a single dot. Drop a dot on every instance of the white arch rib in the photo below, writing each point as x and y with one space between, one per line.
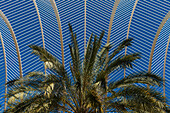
155 39
15 41
165 65
39 18
134 7
131 21
5 71
111 19
59 26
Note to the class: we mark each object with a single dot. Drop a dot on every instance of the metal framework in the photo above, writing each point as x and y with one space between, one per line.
90 17
15 40
165 65
111 19
5 71
129 28
39 18
59 25
155 39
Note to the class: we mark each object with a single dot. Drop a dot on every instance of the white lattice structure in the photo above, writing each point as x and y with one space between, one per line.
45 23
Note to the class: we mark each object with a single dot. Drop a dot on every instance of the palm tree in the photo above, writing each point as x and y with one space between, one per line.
86 90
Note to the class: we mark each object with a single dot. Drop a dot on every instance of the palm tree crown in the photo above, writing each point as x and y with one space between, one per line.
86 90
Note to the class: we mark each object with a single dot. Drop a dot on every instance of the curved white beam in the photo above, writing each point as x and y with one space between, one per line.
39 18
59 26
165 65
110 27
111 19
42 34
134 7
111 22
15 41
5 71
155 39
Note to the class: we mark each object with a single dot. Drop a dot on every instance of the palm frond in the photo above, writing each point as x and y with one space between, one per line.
138 98
142 98
89 90
122 45
122 62
50 60
142 77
